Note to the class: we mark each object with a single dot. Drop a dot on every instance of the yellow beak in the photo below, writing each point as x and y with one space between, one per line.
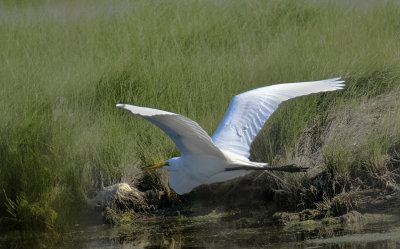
156 166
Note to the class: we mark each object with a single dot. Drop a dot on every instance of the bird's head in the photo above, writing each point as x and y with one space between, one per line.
170 164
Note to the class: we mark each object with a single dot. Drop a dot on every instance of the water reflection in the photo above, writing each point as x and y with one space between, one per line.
219 231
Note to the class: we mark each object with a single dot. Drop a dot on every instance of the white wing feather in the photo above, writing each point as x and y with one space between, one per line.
188 136
248 112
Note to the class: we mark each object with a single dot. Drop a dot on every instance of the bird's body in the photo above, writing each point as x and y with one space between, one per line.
224 155
190 172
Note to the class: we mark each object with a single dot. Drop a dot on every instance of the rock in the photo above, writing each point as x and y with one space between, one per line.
114 200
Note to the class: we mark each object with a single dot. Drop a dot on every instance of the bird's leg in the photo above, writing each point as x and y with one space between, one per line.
286 168
292 168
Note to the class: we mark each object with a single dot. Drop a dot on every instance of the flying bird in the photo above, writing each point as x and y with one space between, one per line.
224 155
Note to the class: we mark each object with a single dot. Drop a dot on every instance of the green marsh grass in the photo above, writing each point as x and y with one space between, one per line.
64 65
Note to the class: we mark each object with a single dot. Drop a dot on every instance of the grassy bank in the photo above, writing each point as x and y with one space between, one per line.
64 66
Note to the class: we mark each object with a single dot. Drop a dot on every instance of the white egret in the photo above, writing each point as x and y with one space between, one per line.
224 155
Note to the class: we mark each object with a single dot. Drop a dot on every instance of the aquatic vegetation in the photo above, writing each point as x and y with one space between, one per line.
25 215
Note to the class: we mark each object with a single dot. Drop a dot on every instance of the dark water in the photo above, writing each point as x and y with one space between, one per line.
231 231
224 230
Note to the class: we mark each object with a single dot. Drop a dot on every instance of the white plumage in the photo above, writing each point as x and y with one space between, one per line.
205 159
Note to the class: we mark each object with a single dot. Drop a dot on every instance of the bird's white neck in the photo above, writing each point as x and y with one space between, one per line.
173 164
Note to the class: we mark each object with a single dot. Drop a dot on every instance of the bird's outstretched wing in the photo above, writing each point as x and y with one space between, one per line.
188 136
248 112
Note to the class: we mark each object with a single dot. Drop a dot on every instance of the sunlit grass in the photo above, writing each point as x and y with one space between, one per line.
64 66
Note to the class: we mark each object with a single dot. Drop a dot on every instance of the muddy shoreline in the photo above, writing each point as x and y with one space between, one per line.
193 223
122 204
